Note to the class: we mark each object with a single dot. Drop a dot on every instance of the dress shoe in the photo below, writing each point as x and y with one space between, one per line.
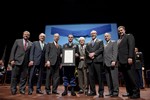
141 87
55 92
126 95
39 92
101 96
22 92
135 96
91 94
108 94
86 92
64 93
80 92
73 93
13 92
48 93
29 93
114 95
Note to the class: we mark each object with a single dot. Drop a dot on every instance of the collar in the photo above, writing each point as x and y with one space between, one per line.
55 43
94 39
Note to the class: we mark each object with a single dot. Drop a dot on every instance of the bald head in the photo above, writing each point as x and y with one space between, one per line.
107 36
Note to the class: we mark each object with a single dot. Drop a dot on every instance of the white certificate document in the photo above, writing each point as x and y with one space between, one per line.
68 56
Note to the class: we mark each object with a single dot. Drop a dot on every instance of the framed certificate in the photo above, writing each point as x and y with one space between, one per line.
68 57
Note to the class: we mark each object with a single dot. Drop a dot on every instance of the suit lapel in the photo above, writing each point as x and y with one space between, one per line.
21 43
39 45
82 50
91 44
54 45
29 45
94 43
44 46
122 40
109 44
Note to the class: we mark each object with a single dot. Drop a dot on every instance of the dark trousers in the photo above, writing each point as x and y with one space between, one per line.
139 78
69 76
36 69
52 73
19 72
111 74
130 78
96 69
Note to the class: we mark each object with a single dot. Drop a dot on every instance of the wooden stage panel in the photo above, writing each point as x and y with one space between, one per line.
6 95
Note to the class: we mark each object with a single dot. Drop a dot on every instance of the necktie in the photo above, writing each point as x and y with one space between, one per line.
42 46
82 49
25 45
118 42
56 45
93 42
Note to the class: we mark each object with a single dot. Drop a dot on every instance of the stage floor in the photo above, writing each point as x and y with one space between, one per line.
6 95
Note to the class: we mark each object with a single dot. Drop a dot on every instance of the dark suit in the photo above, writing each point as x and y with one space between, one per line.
95 65
139 62
69 71
37 55
21 58
53 55
125 51
111 72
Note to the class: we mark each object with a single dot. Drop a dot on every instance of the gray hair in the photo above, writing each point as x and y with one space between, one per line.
93 31
108 34
81 38
56 34
42 34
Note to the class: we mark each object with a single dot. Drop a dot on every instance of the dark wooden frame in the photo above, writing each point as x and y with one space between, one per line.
63 57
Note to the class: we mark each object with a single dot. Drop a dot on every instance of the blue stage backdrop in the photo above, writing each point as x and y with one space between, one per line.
79 30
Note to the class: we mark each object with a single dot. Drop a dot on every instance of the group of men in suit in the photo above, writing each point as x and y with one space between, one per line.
94 58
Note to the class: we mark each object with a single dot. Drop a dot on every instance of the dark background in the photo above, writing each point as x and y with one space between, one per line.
20 16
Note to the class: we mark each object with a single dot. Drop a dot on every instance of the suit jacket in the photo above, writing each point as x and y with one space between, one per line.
18 53
53 53
82 54
126 48
37 54
76 50
98 49
110 53
139 62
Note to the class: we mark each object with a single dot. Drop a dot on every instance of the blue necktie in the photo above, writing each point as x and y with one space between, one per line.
93 42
